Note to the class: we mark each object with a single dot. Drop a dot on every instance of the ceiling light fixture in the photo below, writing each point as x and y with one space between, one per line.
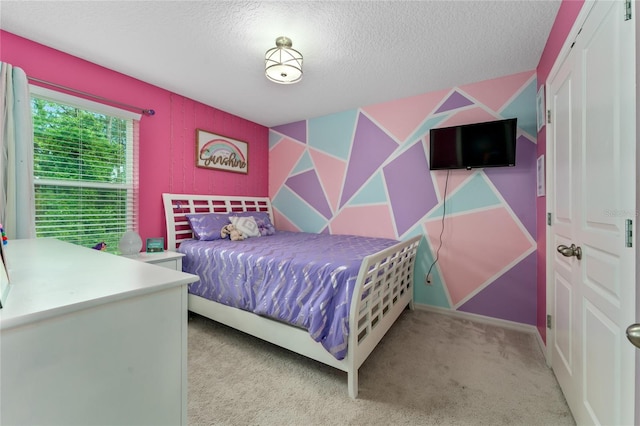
282 63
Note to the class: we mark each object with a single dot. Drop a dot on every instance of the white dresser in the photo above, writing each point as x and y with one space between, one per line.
87 337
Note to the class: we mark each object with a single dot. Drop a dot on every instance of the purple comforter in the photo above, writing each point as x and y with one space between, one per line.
303 279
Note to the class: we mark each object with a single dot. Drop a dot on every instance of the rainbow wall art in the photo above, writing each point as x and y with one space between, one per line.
220 152
365 171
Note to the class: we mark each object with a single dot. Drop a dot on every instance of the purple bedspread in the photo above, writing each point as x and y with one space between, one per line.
303 279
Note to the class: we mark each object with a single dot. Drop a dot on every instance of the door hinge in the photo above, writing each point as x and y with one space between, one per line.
549 321
575 39
549 218
548 116
628 231
627 10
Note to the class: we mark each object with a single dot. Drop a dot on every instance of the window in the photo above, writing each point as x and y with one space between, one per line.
85 169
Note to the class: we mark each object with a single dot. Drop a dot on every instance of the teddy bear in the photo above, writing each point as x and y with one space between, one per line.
232 232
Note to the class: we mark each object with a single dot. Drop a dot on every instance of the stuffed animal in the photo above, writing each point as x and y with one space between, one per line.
232 232
101 246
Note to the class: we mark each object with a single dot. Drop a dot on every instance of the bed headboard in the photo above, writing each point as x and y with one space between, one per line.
176 206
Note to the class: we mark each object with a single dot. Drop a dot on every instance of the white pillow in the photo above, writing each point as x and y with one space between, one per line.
247 225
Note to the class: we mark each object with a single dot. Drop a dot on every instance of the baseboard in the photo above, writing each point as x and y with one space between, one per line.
512 325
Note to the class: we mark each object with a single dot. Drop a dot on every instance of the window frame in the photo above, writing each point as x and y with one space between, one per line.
131 185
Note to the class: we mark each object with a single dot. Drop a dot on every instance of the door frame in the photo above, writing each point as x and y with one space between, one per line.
636 240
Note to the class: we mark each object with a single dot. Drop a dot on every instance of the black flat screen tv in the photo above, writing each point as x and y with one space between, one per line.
488 144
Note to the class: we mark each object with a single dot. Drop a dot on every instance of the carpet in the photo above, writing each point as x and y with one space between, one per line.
430 369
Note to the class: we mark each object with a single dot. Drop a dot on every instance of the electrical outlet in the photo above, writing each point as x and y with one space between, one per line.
428 279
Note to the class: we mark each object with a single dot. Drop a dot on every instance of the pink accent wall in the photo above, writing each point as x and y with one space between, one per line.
567 14
167 139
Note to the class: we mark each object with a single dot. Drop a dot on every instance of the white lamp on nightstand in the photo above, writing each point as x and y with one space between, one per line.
130 243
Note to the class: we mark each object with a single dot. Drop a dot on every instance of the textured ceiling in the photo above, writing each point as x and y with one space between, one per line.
356 53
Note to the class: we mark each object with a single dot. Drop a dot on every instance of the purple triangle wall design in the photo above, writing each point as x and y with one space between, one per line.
455 101
504 298
410 202
371 147
308 187
297 130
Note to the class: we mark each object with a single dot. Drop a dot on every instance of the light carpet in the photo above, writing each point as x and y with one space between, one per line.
430 369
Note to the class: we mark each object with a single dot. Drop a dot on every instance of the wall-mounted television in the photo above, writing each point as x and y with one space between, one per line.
488 144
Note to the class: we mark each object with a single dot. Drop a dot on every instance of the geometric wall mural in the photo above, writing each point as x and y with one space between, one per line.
366 172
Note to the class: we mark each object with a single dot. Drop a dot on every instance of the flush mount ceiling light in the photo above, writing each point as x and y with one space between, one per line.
282 63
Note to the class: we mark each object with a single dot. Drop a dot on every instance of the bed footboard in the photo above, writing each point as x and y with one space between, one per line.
383 290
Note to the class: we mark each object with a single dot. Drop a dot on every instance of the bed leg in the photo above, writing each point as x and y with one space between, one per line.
352 381
411 307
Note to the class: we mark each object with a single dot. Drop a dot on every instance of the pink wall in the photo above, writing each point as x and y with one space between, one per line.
167 139
569 10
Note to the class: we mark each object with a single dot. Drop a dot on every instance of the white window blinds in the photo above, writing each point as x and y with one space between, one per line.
85 169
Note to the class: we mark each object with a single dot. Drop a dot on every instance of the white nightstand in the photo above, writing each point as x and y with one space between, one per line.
166 259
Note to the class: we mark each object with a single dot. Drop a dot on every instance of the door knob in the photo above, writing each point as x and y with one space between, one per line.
570 251
633 334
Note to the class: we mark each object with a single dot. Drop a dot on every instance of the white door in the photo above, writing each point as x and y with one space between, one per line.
592 171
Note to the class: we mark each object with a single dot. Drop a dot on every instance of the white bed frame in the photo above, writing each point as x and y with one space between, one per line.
383 290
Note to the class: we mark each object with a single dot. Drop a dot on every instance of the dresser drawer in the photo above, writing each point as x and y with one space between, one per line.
171 264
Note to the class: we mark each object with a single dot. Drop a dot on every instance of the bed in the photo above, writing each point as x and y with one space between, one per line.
376 279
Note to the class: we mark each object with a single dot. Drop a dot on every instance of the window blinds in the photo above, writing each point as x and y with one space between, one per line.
85 169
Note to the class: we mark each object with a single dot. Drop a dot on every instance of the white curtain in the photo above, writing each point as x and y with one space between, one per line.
17 204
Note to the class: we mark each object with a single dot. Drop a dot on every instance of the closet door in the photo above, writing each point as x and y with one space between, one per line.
593 173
